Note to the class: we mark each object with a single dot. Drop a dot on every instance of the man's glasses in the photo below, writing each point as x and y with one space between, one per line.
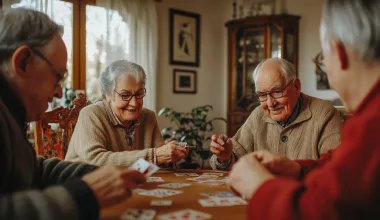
127 96
60 77
276 93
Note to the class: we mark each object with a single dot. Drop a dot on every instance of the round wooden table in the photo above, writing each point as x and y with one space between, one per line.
186 200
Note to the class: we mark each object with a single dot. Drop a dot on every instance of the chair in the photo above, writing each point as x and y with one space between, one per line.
53 142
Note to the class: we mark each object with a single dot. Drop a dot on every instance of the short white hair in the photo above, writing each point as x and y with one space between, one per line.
287 69
355 23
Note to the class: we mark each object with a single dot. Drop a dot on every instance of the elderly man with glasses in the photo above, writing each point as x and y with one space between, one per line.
288 122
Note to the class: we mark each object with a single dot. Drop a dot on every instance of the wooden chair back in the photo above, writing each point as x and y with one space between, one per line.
50 142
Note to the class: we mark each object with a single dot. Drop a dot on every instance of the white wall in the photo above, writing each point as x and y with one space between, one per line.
212 73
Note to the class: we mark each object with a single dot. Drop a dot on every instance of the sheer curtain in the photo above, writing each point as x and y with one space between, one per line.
138 43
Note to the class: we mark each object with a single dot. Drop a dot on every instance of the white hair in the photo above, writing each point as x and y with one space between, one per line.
22 26
287 69
116 70
355 23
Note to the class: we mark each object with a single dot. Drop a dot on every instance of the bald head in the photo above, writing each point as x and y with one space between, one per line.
278 65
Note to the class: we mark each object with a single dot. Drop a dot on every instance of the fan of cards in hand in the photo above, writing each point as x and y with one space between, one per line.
144 167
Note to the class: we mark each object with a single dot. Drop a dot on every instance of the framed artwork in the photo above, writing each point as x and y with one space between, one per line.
184 81
184 37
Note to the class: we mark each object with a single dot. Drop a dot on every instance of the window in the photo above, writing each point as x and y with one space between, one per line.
93 36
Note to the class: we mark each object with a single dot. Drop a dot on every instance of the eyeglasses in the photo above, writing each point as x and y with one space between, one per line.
276 94
60 77
127 96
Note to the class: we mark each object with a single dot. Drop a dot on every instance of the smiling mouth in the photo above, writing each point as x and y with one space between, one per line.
130 110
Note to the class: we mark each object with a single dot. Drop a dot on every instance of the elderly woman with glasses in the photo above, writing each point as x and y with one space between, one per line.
118 130
288 122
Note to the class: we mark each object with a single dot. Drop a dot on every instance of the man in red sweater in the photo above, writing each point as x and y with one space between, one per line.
343 183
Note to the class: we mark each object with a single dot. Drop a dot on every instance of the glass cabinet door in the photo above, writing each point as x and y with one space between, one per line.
250 51
275 45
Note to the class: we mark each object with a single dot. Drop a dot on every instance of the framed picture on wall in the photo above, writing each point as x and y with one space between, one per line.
184 37
184 81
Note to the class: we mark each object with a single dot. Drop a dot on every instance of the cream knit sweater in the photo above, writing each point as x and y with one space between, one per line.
316 130
99 139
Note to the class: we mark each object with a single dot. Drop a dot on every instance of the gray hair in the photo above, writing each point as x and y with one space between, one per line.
22 26
287 69
116 70
355 23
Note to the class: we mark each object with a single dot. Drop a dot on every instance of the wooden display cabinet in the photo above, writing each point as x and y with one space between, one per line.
251 40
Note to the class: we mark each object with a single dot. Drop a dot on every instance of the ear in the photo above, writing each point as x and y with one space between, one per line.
108 99
20 59
342 55
297 84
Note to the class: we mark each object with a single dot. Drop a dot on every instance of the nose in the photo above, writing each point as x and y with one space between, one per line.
270 101
58 92
133 101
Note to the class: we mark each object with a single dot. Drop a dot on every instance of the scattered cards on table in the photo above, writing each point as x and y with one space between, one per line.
161 202
221 194
175 185
160 193
185 214
203 178
133 214
214 182
212 174
145 167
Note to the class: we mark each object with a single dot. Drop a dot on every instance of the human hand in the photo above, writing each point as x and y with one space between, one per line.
170 152
221 148
112 184
277 164
247 175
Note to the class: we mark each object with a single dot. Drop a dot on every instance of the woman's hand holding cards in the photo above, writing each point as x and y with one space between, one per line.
170 152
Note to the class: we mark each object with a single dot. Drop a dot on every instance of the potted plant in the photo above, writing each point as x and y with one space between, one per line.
193 128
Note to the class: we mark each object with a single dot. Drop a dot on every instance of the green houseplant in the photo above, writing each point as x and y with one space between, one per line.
193 128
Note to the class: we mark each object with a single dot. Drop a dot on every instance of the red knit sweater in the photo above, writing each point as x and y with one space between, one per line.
342 184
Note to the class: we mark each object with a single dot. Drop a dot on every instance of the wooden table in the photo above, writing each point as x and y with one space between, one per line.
188 199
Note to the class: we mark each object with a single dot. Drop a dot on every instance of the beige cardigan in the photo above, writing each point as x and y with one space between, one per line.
99 139
316 130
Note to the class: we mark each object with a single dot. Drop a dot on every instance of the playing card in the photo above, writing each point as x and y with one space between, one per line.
221 194
212 174
137 190
186 174
182 144
174 185
214 182
155 179
185 214
229 201
160 193
203 178
161 202
152 169
141 165
134 214
207 202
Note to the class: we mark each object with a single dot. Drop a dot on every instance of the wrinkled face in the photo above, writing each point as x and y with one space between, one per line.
270 79
125 110
39 77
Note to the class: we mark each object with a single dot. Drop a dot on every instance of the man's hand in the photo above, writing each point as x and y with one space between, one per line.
222 149
170 152
247 175
112 184
278 165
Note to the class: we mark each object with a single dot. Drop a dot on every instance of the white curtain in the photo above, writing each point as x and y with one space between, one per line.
142 43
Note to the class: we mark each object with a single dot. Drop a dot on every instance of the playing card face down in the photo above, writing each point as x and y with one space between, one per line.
141 214
175 185
185 214
161 202
160 193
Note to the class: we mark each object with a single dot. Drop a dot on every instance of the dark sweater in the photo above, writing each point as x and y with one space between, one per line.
37 188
